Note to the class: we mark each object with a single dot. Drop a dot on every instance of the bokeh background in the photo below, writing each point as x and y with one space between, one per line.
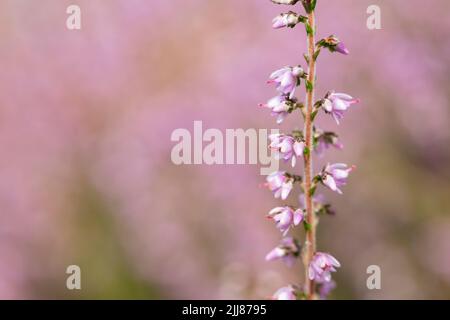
85 171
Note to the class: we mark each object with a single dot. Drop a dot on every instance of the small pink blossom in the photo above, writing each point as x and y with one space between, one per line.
285 293
280 184
285 217
335 175
288 250
337 103
321 266
324 140
333 44
287 79
280 106
283 20
326 288
286 147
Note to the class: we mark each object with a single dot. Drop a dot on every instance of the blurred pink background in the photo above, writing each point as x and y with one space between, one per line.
85 171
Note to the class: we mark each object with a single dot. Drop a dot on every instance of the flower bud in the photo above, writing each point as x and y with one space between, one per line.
333 44
290 20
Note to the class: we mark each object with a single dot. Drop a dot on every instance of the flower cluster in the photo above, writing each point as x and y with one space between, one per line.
286 217
287 147
299 144
280 106
337 103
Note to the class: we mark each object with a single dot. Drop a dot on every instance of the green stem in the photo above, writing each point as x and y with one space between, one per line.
310 243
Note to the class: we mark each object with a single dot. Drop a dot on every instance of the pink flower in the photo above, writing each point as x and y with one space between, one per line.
287 79
337 103
321 266
280 107
280 184
324 140
285 293
285 217
325 289
333 44
335 176
286 147
283 20
288 250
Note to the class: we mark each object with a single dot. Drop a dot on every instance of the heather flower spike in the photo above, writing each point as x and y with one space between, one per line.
317 266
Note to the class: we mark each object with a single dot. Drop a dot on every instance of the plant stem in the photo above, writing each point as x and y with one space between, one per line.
310 243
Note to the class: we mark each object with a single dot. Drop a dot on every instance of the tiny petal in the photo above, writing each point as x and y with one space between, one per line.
298 216
340 47
330 182
299 147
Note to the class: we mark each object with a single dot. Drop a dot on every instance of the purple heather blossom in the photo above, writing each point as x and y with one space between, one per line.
325 140
285 293
337 103
287 79
325 289
280 107
333 44
283 20
335 176
321 266
286 147
280 184
288 250
285 217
